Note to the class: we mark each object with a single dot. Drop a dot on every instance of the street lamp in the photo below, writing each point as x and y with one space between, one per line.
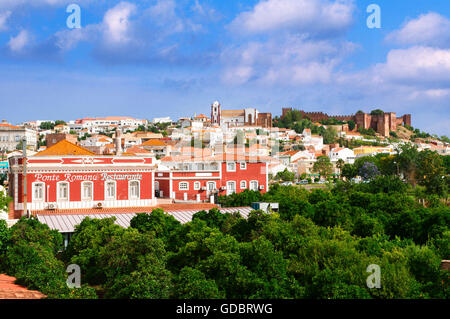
24 156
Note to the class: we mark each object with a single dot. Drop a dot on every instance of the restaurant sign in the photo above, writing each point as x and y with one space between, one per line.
87 177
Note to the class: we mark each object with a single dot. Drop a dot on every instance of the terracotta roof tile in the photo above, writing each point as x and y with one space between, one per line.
9 290
64 147
154 142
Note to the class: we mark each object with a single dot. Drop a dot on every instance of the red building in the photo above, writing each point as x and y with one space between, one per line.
78 179
197 179
69 178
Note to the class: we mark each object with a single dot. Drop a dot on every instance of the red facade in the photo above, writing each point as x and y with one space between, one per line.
199 185
81 182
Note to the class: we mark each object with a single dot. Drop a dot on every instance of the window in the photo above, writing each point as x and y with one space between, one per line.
196 186
86 191
134 190
231 167
110 190
243 184
63 191
183 186
38 192
243 165
254 185
211 186
231 188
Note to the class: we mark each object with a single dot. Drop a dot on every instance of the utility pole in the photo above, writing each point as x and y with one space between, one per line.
24 155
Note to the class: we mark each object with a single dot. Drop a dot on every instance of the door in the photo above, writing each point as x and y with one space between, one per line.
231 188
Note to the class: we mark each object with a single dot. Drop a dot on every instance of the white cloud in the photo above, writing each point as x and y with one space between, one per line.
418 65
17 3
430 29
3 19
116 22
288 61
18 43
311 17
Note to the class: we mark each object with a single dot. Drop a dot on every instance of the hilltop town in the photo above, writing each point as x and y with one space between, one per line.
291 142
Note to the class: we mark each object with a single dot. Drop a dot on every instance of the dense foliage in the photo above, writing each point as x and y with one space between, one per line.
28 251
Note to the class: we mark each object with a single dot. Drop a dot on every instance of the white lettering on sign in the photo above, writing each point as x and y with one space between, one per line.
71 178
68 177
115 177
47 178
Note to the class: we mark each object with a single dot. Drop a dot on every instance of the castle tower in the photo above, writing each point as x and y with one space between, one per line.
215 113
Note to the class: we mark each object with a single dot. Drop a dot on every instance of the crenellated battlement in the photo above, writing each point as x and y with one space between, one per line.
382 124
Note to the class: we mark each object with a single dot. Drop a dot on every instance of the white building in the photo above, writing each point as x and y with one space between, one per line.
345 154
11 136
161 120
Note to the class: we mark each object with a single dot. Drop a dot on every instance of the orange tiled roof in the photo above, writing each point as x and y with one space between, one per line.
137 150
8 125
65 147
154 142
9 290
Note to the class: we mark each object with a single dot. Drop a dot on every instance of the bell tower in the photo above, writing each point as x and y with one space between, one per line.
215 113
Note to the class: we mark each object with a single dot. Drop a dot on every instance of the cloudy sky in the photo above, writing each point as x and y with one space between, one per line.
153 58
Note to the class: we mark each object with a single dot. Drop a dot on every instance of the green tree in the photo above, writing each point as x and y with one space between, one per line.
163 225
323 165
329 135
85 246
406 159
47 126
286 175
192 284
431 172
134 264
351 125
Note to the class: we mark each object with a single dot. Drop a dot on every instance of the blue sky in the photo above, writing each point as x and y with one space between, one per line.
154 58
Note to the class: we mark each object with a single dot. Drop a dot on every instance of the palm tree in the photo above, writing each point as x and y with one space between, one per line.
340 165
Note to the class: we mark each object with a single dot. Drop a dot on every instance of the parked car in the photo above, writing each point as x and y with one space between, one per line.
286 183
303 182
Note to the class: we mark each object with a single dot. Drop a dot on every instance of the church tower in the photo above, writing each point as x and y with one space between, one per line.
215 113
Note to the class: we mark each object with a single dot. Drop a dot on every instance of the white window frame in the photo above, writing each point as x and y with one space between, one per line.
210 183
87 199
257 185
243 165
245 185
130 196
106 190
229 188
183 189
34 199
197 186
58 192
234 165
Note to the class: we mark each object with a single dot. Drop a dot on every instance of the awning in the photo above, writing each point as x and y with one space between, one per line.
66 223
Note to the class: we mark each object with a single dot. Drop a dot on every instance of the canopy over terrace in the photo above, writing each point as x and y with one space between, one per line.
65 223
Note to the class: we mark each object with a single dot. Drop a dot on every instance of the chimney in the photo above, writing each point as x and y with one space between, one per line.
118 142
